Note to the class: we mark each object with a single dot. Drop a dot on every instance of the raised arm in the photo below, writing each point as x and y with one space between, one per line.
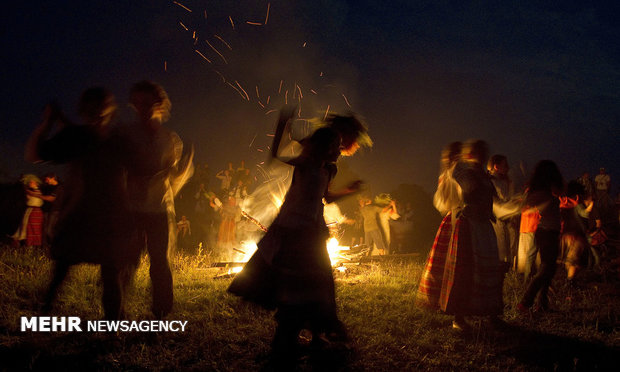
51 114
351 189
391 208
183 168
286 114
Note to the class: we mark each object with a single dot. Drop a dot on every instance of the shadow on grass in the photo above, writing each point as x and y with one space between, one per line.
111 352
70 353
560 353
338 358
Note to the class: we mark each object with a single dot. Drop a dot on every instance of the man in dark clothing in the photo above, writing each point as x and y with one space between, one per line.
155 174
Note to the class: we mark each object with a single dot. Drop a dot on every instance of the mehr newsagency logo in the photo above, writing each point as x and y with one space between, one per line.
75 324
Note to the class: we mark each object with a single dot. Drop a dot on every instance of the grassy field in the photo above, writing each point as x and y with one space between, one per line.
376 302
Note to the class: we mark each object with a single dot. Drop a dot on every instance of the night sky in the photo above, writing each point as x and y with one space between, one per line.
535 81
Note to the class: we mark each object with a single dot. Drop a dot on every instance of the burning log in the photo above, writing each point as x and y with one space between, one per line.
227 264
239 250
253 220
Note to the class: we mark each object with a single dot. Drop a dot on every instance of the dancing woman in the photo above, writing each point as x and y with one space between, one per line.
480 275
291 270
435 291
469 283
546 185
31 228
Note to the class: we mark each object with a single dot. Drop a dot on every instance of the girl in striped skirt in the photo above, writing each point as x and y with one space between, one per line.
31 228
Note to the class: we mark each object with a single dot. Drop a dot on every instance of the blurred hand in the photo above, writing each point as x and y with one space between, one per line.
355 186
287 112
51 112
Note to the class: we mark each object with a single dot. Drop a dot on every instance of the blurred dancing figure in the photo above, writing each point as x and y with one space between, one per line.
546 185
388 213
291 270
226 236
479 271
530 217
441 285
184 234
50 189
352 130
602 182
30 230
155 174
574 247
505 227
372 228
93 224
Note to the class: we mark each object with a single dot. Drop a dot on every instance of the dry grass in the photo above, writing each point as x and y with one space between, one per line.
376 300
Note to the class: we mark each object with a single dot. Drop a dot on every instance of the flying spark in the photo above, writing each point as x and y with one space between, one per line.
222 76
267 16
231 22
346 100
264 173
244 92
217 51
254 23
301 96
203 56
182 6
182 25
223 41
235 88
326 111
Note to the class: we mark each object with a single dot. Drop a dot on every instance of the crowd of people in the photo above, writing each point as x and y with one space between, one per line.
124 179
211 220
490 228
118 200
117 197
210 210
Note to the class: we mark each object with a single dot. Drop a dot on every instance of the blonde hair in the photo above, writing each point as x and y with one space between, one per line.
450 155
351 128
475 151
